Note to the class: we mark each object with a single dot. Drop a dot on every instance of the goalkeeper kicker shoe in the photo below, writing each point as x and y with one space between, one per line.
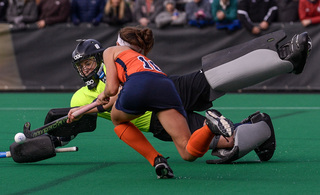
163 170
297 51
218 124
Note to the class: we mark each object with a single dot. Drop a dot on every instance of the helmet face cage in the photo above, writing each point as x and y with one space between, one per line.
95 60
87 49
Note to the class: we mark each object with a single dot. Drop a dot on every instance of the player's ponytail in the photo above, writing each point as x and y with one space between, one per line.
148 39
140 37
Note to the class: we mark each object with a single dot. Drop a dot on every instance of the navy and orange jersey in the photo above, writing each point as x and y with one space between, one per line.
129 62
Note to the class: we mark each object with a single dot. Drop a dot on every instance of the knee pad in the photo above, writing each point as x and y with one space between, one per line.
87 123
257 134
33 150
242 66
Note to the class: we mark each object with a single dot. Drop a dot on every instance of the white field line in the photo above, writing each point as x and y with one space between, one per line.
222 108
23 109
268 108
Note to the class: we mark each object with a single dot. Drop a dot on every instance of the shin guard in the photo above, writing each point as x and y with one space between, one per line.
248 137
87 123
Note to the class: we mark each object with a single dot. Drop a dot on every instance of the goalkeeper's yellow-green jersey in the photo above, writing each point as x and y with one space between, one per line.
85 96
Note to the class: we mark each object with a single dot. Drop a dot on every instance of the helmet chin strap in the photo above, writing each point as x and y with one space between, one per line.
93 78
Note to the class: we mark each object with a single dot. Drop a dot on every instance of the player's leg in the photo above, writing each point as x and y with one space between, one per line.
176 126
136 97
196 145
157 129
241 66
132 136
220 145
196 121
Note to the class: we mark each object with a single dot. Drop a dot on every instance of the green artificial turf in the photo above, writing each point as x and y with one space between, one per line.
106 165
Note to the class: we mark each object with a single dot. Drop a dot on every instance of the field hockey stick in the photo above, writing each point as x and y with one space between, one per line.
7 154
56 123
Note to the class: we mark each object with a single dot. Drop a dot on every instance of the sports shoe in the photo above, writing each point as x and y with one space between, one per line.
297 51
162 168
266 150
218 124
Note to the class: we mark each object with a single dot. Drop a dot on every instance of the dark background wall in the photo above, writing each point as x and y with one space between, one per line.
40 60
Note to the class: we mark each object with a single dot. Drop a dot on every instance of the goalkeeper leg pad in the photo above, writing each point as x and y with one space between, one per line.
266 150
255 61
248 137
87 123
33 150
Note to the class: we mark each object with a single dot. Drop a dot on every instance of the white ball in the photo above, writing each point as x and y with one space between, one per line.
19 138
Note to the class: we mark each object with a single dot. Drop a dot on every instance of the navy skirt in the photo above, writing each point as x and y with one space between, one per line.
148 91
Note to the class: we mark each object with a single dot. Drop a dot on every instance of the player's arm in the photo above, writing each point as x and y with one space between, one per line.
106 107
113 83
100 108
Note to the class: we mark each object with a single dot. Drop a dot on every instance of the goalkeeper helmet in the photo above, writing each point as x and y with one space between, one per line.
87 56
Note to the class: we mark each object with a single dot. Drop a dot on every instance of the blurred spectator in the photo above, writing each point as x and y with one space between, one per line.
52 12
261 12
3 10
22 12
309 12
145 11
224 14
199 13
288 10
171 16
87 11
117 12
